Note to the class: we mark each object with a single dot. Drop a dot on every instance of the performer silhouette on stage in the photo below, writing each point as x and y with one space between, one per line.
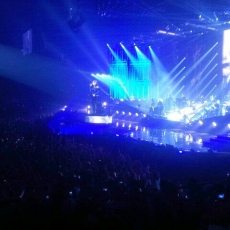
94 94
152 107
160 107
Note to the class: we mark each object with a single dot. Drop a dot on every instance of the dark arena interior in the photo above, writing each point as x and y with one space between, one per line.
115 114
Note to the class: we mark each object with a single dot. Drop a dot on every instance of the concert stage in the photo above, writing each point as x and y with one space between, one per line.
155 129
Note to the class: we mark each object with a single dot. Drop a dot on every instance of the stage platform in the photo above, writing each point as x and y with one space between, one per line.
155 129
220 143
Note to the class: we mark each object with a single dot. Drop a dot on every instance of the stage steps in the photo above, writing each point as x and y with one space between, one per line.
219 143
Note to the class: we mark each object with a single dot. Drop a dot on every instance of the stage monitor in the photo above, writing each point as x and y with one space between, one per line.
99 119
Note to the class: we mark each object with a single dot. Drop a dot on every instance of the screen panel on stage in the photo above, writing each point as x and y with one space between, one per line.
99 119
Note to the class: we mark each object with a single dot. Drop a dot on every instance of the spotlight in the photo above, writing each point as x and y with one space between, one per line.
76 21
200 122
63 109
200 141
214 124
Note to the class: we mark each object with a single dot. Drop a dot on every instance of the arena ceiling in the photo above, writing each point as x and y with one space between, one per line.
145 17
74 29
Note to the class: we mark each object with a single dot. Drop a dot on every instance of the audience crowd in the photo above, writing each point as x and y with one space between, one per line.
103 181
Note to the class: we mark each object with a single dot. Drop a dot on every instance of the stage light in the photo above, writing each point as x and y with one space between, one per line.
117 112
132 98
123 113
137 114
130 125
200 141
170 33
75 21
63 109
123 125
130 113
200 122
229 126
104 104
161 32
136 128
214 124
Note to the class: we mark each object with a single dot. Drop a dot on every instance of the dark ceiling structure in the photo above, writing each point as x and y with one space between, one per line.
59 26
171 17
179 18
77 31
